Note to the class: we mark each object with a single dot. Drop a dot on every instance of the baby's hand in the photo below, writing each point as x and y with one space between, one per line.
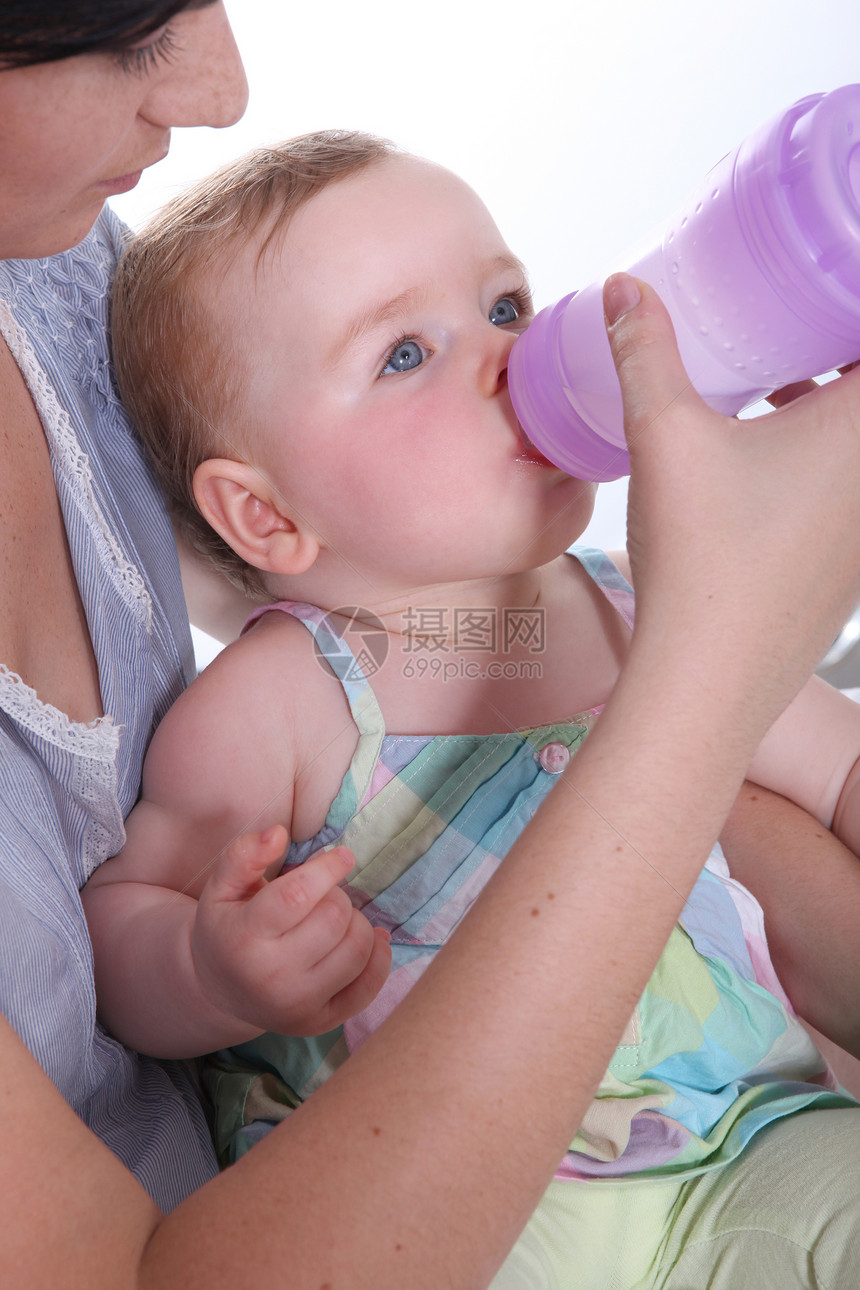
292 954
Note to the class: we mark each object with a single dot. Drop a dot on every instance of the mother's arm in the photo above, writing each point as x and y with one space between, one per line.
421 1159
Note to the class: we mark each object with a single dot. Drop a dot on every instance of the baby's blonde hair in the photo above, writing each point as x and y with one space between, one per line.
178 367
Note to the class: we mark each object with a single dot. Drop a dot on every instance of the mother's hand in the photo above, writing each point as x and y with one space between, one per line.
743 535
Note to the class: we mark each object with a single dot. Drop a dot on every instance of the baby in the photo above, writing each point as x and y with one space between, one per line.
314 345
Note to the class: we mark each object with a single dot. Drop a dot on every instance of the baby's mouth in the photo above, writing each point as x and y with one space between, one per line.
530 453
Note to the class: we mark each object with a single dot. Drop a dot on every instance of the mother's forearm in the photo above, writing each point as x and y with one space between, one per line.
422 1158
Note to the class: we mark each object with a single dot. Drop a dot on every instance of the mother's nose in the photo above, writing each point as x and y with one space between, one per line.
205 83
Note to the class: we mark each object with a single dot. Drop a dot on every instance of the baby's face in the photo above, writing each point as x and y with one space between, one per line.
380 330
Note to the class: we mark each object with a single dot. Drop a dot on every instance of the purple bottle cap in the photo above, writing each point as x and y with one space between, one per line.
547 417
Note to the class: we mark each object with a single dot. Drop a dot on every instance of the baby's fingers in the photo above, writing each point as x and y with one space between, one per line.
343 982
287 901
240 870
361 992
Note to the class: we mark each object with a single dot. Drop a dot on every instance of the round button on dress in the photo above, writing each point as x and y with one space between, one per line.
554 758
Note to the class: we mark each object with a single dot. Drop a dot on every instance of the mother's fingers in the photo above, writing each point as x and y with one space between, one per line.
789 393
744 537
639 328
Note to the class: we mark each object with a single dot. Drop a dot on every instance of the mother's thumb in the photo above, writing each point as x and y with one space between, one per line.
645 353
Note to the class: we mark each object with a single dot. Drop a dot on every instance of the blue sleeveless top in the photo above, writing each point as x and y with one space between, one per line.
65 787
713 1051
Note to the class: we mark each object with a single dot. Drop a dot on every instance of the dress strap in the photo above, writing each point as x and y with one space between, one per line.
608 578
334 650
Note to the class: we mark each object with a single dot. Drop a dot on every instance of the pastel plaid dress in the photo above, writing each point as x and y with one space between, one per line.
712 1052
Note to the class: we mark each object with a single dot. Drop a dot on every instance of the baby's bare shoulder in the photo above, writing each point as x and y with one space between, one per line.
241 718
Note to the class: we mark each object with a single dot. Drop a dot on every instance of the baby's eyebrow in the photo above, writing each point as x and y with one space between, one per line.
369 319
509 262
398 306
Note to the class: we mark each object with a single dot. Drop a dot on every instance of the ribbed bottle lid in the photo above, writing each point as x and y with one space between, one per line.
535 381
798 193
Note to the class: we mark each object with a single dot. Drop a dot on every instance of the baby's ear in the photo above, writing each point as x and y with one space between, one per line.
252 517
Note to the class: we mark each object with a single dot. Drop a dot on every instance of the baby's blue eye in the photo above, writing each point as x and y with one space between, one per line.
504 311
406 355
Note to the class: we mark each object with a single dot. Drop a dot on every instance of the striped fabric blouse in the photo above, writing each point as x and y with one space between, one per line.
65 787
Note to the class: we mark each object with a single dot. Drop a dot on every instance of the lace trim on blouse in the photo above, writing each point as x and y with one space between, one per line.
97 740
74 463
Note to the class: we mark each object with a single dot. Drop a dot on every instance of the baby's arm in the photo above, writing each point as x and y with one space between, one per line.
846 817
808 881
197 945
808 884
811 755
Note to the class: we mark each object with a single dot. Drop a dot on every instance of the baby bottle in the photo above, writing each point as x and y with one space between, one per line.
760 271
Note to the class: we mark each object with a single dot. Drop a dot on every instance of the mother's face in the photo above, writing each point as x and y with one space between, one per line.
76 131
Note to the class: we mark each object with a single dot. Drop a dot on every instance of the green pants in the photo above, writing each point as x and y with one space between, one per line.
784 1216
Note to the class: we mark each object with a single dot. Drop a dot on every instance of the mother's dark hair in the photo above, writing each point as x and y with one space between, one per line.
42 31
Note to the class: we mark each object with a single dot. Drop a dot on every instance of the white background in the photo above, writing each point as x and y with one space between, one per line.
581 123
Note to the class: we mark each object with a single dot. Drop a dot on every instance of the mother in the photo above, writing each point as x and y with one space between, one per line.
95 646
